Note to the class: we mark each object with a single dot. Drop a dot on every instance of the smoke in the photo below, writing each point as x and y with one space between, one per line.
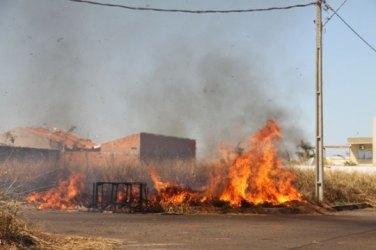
214 99
42 79
112 73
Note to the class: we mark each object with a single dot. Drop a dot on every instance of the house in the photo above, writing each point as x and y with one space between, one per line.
40 145
362 149
45 138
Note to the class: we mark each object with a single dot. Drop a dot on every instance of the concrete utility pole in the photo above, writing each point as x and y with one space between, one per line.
319 106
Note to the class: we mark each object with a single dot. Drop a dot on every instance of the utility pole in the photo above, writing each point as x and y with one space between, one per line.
319 106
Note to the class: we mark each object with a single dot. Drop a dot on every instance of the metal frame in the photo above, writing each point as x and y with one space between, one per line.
106 196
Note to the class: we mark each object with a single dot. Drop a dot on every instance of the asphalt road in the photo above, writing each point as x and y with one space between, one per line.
345 230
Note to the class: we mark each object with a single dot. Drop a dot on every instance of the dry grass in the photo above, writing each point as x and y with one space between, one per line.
340 187
23 178
14 230
19 177
17 233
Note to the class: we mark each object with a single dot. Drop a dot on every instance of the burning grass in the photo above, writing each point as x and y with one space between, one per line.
17 233
247 179
253 177
68 194
187 193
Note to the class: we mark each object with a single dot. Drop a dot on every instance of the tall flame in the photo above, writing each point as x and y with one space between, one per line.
255 176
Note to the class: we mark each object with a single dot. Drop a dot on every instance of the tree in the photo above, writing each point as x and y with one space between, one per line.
305 151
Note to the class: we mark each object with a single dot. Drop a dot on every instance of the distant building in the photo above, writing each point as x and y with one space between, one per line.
60 147
360 150
45 138
146 146
37 145
363 149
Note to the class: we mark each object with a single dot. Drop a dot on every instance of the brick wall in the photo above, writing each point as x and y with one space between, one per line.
121 151
146 146
27 155
159 147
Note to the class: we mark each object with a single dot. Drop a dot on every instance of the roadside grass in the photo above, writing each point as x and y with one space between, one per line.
339 187
14 229
18 179
16 232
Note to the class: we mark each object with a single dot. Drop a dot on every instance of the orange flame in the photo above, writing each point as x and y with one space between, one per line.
171 193
66 195
158 184
253 175
256 176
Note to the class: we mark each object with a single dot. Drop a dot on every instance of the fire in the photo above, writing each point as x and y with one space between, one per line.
158 184
255 176
67 194
171 193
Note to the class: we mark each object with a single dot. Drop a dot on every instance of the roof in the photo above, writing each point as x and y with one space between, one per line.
359 140
66 138
149 134
166 136
60 137
336 146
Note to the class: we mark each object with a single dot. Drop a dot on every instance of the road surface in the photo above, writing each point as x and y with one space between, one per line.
344 230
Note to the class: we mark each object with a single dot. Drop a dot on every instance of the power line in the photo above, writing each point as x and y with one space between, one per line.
195 11
348 26
327 20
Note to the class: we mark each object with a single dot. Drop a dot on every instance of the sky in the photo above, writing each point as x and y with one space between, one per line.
215 77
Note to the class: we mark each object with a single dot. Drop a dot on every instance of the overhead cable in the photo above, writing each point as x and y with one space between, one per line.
194 11
327 20
352 29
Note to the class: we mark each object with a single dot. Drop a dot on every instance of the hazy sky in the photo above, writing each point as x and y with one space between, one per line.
113 72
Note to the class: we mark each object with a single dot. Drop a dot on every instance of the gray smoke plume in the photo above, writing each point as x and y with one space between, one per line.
112 73
216 99
42 76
